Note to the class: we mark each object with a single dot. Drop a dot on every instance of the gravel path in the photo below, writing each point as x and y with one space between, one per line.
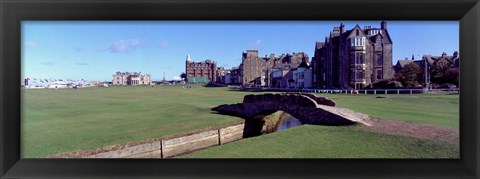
423 131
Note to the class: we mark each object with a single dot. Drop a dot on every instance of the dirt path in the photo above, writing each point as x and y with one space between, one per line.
423 131
347 114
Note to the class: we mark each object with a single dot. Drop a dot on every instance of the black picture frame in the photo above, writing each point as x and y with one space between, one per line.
12 12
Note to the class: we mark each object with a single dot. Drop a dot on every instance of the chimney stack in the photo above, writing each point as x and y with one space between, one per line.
455 54
383 25
342 28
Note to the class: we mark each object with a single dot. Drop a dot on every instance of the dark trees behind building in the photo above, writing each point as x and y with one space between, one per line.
410 75
442 72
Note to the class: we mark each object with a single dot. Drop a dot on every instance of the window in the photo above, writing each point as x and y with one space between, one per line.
379 74
375 32
359 58
359 86
357 41
359 75
379 60
357 32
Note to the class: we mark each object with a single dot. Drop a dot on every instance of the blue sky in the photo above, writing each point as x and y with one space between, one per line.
95 50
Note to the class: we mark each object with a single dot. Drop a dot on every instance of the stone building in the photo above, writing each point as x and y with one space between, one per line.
252 68
281 77
221 75
353 58
94 82
200 72
257 71
131 78
235 76
302 76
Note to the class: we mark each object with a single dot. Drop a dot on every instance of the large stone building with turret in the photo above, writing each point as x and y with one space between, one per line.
353 58
200 72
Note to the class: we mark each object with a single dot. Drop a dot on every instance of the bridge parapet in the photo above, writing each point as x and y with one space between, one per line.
308 108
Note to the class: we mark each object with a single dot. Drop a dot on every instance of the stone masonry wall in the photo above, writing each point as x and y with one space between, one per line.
178 145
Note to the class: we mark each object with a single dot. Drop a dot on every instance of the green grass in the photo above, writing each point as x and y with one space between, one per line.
56 121
65 120
310 141
435 109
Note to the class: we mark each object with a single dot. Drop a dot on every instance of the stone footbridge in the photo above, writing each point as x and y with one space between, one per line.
307 108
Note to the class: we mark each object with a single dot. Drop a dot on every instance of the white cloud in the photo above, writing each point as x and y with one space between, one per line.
177 78
164 44
48 63
30 45
81 63
122 46
257 42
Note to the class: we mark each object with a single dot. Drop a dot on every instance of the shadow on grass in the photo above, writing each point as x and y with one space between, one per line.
213 85
252 126
244 90
453 93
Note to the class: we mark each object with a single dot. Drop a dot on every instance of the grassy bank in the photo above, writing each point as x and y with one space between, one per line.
310 141
435 109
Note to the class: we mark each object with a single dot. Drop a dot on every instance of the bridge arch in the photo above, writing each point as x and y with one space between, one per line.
308 108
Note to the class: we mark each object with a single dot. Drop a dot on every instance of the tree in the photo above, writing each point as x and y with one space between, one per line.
410 75
395 84
439 71
183 76
452 76
386 84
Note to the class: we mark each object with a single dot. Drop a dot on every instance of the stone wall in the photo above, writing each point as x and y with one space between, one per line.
189 143
231 133
178 145
133 150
